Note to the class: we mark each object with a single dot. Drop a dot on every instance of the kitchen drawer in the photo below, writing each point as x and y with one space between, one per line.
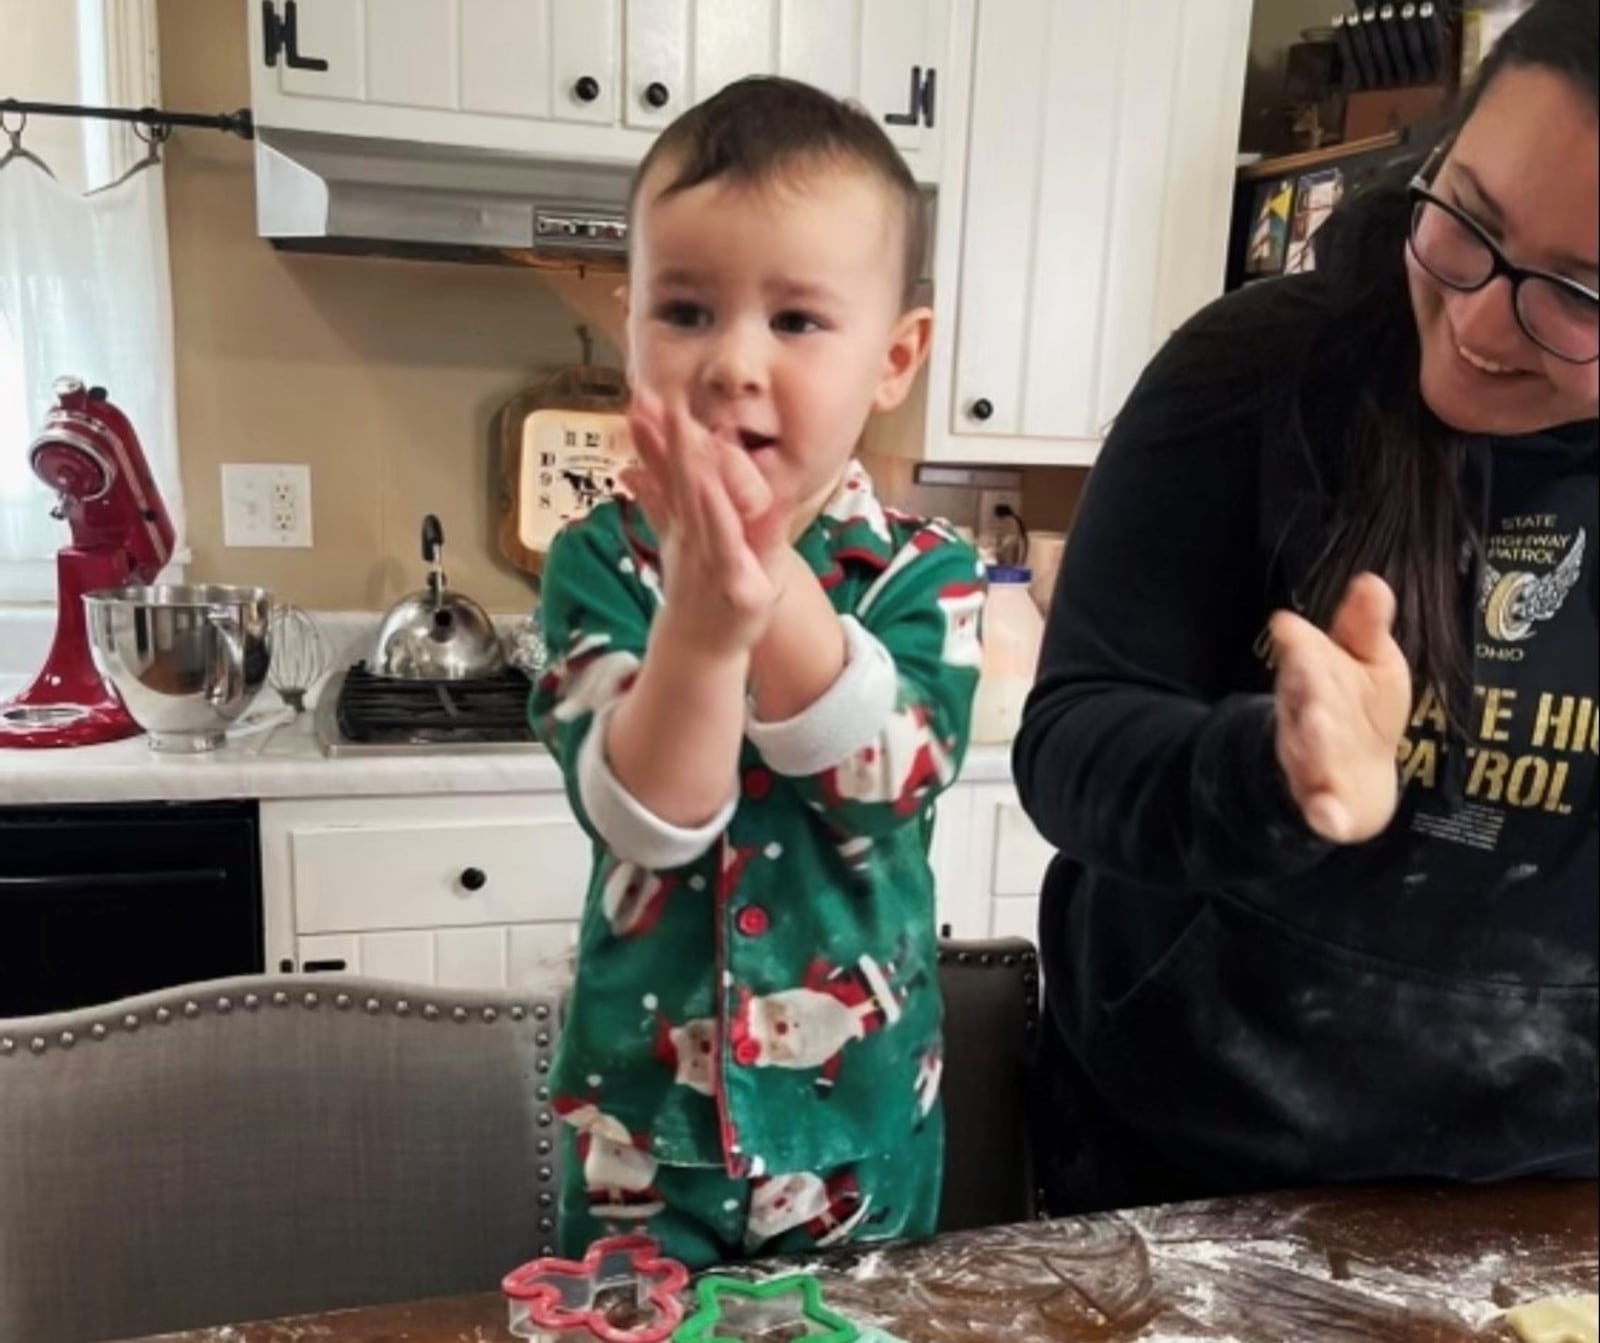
439 876
363 865
521 956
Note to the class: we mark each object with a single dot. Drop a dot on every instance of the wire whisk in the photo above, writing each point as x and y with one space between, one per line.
300 655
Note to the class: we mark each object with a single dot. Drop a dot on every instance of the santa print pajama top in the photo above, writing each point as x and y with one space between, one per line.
761 994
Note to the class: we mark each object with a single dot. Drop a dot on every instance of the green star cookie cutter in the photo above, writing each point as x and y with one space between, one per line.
754 1309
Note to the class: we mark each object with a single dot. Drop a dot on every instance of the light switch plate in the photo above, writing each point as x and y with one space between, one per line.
266 505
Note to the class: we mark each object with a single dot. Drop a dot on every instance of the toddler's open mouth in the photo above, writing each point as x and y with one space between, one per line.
751 441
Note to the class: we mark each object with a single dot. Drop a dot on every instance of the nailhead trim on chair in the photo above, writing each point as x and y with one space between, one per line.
192 1010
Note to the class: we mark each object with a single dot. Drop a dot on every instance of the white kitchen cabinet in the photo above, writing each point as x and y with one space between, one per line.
1086 219
1006 860
988 863
533 59
960 908
462 891
494 956
590 80
884 54
487 890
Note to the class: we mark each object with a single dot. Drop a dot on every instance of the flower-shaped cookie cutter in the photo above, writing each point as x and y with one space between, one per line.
623 1291
728 1308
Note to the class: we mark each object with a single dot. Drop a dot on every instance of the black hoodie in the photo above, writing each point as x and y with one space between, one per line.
1236 1004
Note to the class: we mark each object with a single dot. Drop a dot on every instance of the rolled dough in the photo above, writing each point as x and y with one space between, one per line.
1557 1319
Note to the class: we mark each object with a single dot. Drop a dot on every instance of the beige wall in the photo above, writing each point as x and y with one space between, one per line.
382 375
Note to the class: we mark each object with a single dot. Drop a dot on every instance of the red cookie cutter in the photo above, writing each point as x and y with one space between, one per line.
622 1292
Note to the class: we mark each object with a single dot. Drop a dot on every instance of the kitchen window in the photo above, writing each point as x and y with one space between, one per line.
84 284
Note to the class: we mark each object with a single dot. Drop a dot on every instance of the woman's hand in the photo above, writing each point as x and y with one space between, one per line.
1343 700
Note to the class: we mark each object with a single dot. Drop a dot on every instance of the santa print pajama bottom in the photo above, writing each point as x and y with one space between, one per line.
702 1217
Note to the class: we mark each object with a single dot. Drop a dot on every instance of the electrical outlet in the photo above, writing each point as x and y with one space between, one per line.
266 505
1000 538
989 500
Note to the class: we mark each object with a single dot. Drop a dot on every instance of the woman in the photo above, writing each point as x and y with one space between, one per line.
1346 519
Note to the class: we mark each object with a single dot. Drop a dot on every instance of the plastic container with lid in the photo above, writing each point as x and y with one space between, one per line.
1012 633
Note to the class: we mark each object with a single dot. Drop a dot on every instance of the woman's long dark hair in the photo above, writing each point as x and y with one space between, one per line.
1400 501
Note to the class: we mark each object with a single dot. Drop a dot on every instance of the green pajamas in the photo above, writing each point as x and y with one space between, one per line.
701 1216
759 997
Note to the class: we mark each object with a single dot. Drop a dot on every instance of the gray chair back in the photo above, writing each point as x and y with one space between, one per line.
991 1014
268 1145
273 1145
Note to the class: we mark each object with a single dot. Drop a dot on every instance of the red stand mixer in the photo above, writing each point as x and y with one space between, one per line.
90 456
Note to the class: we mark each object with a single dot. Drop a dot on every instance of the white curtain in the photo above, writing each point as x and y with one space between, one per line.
84 290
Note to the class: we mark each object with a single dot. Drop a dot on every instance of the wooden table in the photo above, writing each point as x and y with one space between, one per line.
1417 1265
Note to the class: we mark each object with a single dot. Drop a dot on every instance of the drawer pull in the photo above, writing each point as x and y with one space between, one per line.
474 879
324 967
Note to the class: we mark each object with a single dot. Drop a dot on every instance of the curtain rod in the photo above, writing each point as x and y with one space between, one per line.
238 123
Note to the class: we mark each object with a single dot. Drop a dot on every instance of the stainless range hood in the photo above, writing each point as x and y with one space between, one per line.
339 193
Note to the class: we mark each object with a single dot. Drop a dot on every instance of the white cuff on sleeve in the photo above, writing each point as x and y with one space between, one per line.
848 717
633 832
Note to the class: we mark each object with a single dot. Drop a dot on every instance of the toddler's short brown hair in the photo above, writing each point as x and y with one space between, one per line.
758 129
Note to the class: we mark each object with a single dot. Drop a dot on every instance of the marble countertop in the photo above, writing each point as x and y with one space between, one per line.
267 762
283 761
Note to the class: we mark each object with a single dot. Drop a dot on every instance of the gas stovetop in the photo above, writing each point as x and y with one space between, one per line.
362 714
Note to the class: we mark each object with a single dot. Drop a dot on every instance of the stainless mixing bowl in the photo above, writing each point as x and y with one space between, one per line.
187 660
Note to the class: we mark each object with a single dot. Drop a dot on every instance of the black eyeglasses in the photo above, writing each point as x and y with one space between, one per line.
1557 314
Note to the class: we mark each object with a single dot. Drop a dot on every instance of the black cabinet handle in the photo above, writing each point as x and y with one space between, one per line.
919 105
285 966
91 882
587 89
911 115
474 879
657 94
324 967
283 35
982 408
